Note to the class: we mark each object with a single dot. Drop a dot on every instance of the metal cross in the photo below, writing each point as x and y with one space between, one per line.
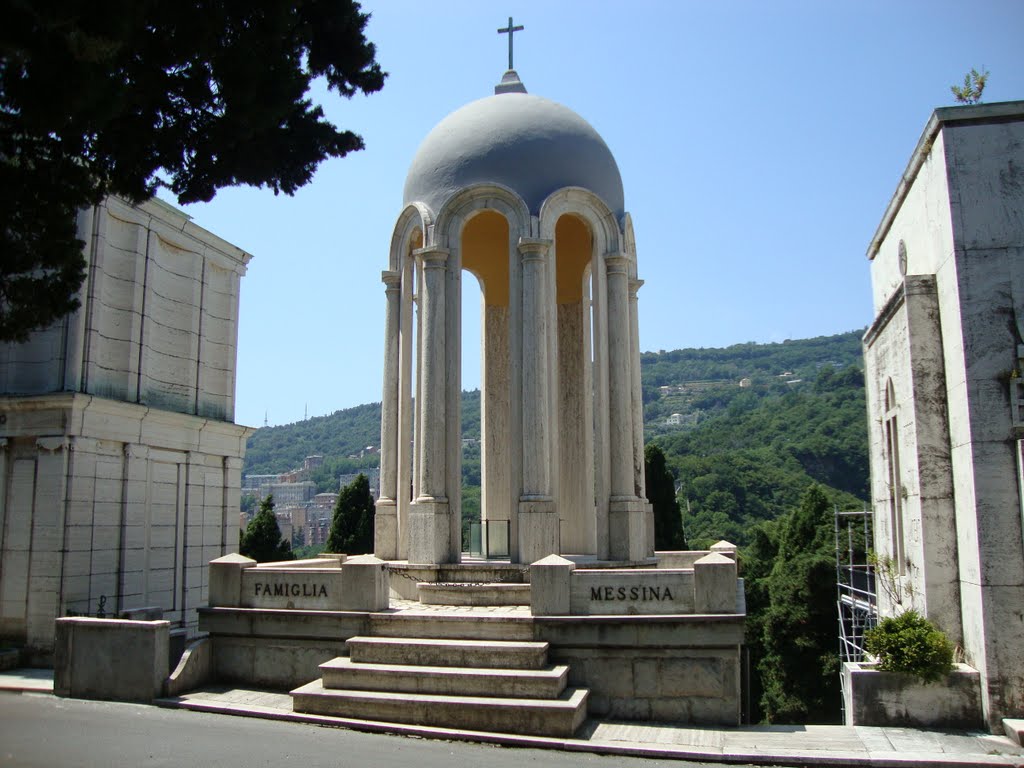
510 30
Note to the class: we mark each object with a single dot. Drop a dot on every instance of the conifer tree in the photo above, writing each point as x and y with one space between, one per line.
661 492
352 526
261 539
799 668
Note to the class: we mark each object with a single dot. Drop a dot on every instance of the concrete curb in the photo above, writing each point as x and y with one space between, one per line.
661 751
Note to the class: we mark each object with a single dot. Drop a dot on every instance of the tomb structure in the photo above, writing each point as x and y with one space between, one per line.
119 459
944 364
523 194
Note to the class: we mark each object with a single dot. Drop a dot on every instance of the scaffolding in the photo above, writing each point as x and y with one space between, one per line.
856 603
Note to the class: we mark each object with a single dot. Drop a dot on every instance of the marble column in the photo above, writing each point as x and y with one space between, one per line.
627 522
385 527
538 520
639 482
429 524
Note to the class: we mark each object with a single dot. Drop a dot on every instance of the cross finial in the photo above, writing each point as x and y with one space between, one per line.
510 30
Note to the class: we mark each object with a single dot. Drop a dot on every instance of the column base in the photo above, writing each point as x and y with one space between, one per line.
538 530
630 529
385 529
429 532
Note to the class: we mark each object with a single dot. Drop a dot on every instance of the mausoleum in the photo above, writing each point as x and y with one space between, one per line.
944 362
120 460
522 194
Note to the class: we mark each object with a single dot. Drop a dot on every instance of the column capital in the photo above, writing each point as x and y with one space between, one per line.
432 256
232 462
136 451
392 279
531 248
52 444
616 263
634 286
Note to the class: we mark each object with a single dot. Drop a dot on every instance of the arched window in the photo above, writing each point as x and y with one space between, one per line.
894 479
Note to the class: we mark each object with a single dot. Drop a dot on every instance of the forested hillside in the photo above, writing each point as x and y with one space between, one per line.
758 423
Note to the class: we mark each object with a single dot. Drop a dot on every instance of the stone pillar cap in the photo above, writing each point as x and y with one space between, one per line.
715 558
554 560
234 558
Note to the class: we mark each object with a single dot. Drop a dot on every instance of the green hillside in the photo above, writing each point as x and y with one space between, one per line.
758 424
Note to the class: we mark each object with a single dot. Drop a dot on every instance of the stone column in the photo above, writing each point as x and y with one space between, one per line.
385 533
538 521
627 524
639 484
429 526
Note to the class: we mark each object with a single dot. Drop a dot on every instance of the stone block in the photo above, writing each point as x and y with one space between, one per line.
385 530
226 580
365 584
110 659
551 585
894 699
714 584
429 532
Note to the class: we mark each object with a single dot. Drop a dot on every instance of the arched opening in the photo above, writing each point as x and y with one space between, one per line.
895 480
407 471
486 479
574 245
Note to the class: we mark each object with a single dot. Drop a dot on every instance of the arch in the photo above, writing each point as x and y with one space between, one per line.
589 207
461 207
415 217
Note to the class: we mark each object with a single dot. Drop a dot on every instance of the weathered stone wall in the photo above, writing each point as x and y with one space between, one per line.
105 500
158 322
948 278
119 464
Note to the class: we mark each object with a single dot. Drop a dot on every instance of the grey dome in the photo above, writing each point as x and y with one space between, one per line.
527 143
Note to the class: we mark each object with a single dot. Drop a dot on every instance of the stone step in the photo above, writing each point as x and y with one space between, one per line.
433 652
473 594
448 626
559 717
450 681
1014 730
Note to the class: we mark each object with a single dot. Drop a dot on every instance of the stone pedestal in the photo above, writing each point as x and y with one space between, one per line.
628 529
226 580
429 532
538 529
551 586
385 529
714 584
365 584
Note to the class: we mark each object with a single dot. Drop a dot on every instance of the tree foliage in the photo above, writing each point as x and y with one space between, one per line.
911 644
972 89
352 526
261 539
124 97
789 571
661 492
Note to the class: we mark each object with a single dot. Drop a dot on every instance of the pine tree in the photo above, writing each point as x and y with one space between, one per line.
661 491
262 537
352 526
799 669
126 96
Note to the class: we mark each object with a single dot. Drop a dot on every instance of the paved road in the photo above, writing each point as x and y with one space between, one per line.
48 732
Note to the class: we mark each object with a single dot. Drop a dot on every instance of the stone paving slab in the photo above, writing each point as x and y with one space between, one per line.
812 745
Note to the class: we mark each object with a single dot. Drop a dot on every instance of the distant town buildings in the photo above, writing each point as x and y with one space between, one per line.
303 515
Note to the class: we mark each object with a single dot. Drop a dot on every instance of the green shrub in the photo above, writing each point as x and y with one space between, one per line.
910 643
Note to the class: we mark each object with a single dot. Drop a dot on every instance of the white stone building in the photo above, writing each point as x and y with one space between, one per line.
524 195
944 359
119 459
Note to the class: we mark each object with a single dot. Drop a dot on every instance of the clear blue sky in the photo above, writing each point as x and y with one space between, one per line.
759 143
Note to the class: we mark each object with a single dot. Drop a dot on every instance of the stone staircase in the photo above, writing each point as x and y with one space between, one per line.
505 686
